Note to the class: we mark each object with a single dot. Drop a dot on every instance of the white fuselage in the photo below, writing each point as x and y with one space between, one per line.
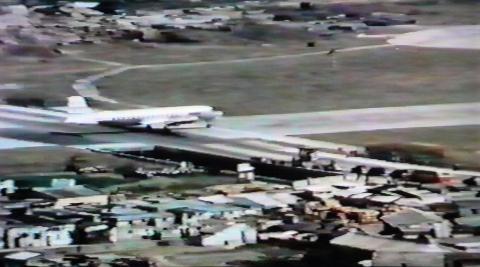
142 115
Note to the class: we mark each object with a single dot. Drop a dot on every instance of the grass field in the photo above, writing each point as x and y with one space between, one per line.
50 80
462 143
357 79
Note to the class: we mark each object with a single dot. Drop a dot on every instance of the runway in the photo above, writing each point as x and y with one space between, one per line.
354 120
11 143
453 37
238 137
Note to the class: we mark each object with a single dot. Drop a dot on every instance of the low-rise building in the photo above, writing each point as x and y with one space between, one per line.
468 224
18 235
7 187
468 207
65 196
388 252
193 215
18 259
32 231
467 244
411 223
226 234
130 232
258 200
122 216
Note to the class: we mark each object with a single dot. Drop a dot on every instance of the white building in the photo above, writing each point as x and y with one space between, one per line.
23 236
234 234
7 187
69 195
130 232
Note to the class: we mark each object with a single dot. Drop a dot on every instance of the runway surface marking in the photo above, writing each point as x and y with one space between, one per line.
270 146
25 117
4 125
10 143
30 114
224 133
246 151
110 146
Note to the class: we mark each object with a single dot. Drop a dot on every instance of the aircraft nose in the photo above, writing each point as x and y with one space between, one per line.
211 115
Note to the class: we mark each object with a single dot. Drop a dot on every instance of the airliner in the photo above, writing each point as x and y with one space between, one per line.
150 118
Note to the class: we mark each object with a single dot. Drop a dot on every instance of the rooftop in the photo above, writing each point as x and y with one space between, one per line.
472 221
411 217
69 192
372 243
23 255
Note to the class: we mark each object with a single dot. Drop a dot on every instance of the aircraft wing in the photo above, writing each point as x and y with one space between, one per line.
157 123
120 123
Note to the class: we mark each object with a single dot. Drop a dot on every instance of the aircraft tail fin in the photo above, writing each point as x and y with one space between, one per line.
77 104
